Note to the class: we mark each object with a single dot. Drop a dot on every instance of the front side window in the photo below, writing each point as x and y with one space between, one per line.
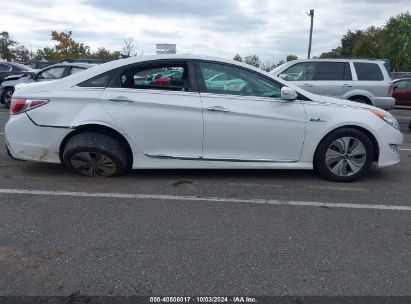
300 72
333 71
52 73
171 77
239 81
368 71
5 67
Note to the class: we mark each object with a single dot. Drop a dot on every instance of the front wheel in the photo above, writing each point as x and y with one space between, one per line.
344 155
6 96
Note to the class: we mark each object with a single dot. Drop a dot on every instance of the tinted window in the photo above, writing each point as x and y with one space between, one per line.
239 81
52 73
5 67
333 71
172 77
368 71
300 71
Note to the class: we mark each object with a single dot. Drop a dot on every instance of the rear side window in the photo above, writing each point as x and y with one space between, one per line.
75 70
334 71
368 71
5 67
162 76
99 81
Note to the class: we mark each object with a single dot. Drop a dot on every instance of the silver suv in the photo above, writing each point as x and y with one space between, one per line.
365 81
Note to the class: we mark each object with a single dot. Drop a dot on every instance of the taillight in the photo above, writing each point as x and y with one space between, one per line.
20 105
391 89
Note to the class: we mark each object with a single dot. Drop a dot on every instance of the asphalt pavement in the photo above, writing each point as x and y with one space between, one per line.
204 232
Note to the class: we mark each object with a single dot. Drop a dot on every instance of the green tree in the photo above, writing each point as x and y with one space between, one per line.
103 54
253 60
396 41
368 44
22 54
6 45
291 57
237 57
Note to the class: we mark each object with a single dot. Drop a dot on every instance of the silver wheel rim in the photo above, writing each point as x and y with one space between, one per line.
93 164
346 156
7 97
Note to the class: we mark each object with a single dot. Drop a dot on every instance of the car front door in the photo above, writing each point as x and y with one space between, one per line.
301 74
247 120
163 118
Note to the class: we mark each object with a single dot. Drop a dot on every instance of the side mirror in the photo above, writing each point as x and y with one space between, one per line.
283 76
288 94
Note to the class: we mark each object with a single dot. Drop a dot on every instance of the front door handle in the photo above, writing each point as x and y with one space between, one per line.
307 85
347 86
217 109
120 99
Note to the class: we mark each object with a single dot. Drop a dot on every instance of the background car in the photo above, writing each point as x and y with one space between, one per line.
102 123
365 81
40 64
401 91
48 74
13 68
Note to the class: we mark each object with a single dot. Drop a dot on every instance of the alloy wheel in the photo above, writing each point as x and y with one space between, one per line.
93 164
346 156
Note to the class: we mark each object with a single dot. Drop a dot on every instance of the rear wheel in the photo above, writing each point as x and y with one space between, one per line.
344 155
361 100
6 96
95 154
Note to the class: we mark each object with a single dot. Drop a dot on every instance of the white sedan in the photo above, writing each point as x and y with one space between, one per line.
102 122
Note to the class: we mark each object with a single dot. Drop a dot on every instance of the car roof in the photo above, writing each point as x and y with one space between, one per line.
78 65
18 65
399 79
102 68
338 60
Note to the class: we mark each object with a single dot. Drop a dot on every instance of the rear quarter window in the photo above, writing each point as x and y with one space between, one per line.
368 71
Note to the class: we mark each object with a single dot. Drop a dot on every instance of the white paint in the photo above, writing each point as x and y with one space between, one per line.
405 149
204 199
338 188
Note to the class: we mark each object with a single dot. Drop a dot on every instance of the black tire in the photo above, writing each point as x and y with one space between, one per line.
6 96
325 158
361 100
95 154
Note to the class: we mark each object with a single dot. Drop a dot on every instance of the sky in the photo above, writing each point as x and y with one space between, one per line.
271 29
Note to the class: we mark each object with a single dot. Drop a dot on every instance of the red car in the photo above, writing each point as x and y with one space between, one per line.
401 91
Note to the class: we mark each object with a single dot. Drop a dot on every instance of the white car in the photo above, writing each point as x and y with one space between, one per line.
101 123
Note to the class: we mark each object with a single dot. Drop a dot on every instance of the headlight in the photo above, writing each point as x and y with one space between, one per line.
387 117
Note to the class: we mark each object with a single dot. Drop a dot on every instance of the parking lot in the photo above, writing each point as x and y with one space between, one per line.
210 232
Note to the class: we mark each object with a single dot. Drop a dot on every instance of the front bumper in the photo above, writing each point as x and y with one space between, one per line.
389 141
27 141
385 103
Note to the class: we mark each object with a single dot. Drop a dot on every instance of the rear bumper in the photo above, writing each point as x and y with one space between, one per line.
27 141
389 141
386 103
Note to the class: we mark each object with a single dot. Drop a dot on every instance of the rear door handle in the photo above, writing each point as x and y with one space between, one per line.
120 99
347 86
307 85
217 109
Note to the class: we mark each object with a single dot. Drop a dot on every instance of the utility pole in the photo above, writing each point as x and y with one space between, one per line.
311 32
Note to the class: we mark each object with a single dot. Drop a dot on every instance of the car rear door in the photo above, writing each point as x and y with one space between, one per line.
247 121
333 78
164 119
